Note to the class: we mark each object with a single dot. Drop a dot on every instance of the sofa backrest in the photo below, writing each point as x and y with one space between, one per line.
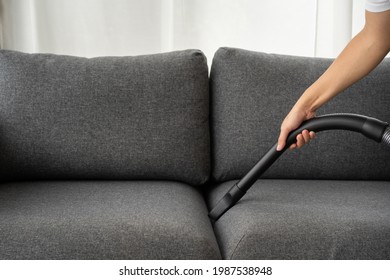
252 92
143 117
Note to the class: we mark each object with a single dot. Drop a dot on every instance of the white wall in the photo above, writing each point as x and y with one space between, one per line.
334 26
337 22
286 27
358 16
132 27
83 27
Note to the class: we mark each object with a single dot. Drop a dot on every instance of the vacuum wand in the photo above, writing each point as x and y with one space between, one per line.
374 129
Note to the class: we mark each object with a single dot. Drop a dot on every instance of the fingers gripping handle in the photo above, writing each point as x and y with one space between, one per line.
372 128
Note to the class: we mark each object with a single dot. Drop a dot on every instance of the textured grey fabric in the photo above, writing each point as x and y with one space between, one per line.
252 92
143 117
104 220
306 219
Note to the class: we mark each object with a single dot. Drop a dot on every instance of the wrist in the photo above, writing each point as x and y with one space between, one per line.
309 102
306 110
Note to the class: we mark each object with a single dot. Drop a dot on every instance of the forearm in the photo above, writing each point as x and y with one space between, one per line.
361 55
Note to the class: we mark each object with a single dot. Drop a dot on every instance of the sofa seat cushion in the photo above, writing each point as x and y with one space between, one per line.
104 220
306 219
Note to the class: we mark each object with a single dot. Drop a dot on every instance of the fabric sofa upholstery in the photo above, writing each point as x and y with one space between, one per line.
306 219
343 216
251 92
122 157
104 220
143 117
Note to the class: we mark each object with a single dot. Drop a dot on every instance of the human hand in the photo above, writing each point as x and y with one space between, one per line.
292 121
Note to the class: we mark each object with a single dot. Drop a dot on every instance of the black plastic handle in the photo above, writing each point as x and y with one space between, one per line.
374 129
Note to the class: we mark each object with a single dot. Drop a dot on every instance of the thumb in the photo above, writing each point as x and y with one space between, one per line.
282 139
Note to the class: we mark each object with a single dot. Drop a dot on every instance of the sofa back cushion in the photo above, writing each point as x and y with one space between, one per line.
143 117
252 92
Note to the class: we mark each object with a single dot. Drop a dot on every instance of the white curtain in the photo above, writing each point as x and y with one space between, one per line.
132 27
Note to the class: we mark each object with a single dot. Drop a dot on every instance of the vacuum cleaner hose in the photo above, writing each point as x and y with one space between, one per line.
372 128
386 136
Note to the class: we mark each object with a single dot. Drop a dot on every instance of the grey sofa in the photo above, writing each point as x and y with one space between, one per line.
122 158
